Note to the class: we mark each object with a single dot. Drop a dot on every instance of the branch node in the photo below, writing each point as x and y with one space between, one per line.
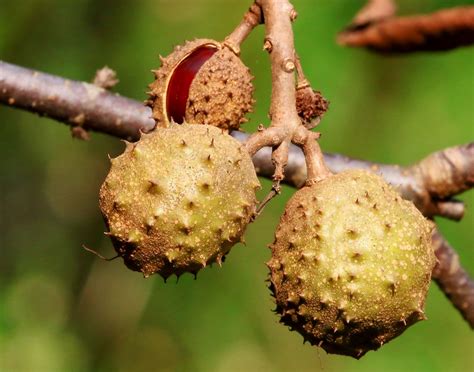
293 15
105 78
452 209
288 65
234 48
267 45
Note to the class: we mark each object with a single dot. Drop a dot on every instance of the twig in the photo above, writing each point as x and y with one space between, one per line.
252 18
286 126
310 104
95 253
442 30
105 78
23 88
452 279
273 192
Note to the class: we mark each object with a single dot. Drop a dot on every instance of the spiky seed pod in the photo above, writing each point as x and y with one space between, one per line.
201 82
351 263
178 199
310 104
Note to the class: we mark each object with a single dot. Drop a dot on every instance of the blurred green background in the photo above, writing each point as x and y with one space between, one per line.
62 309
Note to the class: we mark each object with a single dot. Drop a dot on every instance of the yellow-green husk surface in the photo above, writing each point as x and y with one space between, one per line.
178 199
351 263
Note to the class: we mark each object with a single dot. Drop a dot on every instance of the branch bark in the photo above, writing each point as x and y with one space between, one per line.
286 126
442 30
73 102
452 279
430 183
252 18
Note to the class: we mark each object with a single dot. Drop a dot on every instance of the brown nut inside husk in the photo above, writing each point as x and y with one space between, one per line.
202 82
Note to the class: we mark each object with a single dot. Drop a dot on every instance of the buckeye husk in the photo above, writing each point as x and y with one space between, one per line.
220 94
178 199
351 263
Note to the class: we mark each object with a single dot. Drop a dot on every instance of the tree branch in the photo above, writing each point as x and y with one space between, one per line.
452 279
286 126
442 30
73 102
430 183
252 18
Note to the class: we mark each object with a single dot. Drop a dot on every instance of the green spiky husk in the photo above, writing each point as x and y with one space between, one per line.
178 199
351 263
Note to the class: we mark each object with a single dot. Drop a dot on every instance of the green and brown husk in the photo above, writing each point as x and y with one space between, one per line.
178 199
351 263
220 94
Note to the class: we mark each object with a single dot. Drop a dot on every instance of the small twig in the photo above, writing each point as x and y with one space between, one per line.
310 104
105 78
452 279
442 30
316 168
301 81
95 253
286 126
273 192
252 18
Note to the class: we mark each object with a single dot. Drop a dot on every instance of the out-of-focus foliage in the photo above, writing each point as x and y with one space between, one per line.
63 309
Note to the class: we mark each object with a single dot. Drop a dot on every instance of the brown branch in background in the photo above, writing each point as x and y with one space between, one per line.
34 91
374 11
452 279
443 30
